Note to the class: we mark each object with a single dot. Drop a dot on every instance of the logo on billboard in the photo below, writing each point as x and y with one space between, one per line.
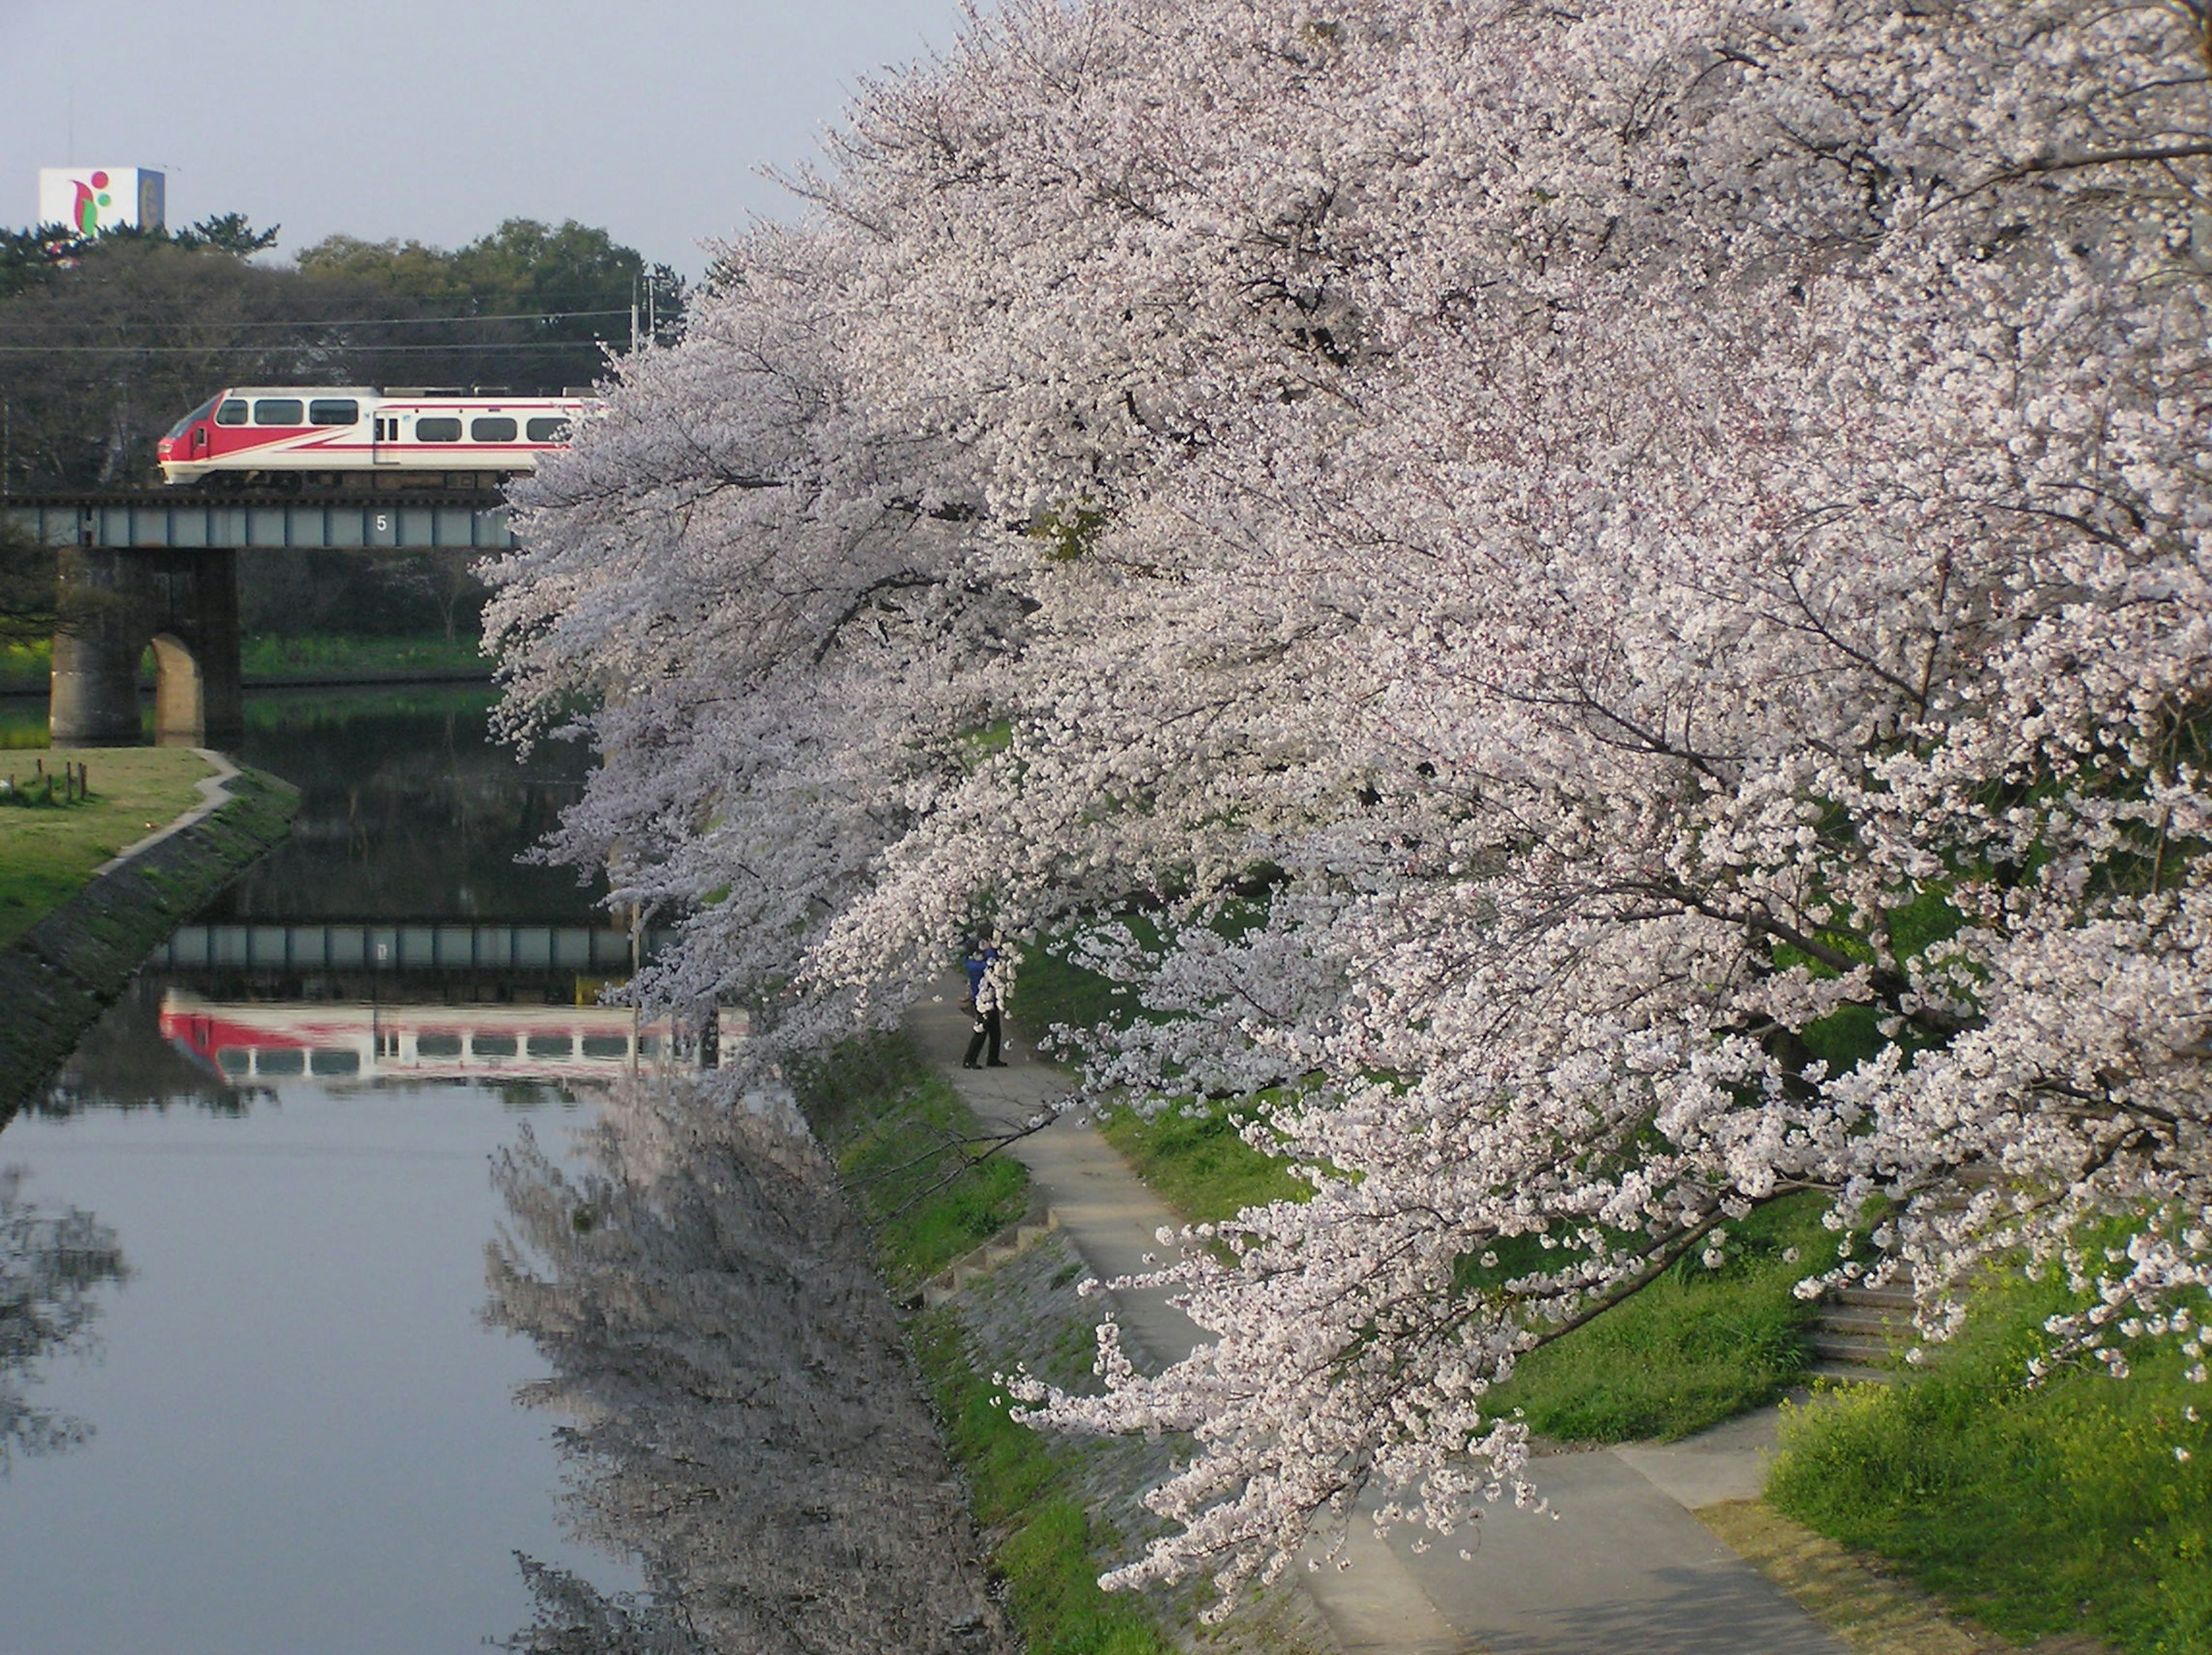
89 201
91 196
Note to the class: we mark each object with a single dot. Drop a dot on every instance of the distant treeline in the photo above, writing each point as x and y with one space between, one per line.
105 343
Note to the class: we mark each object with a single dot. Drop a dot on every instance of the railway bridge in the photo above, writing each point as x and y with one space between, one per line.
161 570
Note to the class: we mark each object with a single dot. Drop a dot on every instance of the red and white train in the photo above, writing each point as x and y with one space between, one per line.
355 436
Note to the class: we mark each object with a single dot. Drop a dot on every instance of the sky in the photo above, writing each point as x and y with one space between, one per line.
434 120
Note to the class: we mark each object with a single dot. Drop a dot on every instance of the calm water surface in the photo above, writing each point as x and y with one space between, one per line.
284 1424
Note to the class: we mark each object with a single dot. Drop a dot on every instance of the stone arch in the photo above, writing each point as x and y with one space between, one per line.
179 693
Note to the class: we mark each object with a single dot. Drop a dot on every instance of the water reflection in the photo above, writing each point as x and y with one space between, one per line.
407 811
52 1267
308 1438
742 1420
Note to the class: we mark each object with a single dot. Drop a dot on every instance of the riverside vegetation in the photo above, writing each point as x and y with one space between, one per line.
2075 1506
1058 1510
47 854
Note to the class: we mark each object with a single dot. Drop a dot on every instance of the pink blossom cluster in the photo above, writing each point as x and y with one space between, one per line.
1610 605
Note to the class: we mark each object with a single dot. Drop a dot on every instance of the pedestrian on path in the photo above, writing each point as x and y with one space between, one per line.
976 962
990 998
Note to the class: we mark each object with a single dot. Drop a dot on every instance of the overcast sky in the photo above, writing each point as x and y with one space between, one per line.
436 119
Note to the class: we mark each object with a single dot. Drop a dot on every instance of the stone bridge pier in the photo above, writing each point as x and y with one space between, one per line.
117 602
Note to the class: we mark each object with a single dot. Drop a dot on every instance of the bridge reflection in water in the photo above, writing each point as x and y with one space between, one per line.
346 946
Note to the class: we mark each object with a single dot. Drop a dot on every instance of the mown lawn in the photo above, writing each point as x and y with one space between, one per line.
2082 1506
48 852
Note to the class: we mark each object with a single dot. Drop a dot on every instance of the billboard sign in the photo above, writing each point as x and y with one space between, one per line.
89 200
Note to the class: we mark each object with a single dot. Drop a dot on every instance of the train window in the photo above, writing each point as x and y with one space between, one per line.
333 410
551 1045
233 1060
280 411
333 1060
437 428
492 1045
492 429
552 428
604 1046
437 1045
187 422
281 1059
232 412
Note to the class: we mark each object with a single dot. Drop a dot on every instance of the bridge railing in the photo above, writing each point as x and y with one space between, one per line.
192 522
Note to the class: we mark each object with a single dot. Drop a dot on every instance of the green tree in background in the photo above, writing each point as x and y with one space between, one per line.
105 342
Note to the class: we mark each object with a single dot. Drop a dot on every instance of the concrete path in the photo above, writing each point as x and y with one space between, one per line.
1624 1568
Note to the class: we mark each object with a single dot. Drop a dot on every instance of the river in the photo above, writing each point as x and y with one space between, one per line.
284 1423
308 1335
355 1300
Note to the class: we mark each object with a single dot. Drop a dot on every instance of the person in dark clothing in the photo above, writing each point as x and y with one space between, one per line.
990 1005
977 961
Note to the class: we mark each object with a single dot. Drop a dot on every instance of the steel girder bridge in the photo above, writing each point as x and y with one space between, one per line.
161 569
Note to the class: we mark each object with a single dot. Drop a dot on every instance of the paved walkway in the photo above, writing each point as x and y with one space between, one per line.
1625 1570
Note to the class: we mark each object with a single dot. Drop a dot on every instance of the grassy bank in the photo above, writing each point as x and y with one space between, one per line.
897 1128
25 667
48 852
1696 1347
60 971
2084 1505
266 660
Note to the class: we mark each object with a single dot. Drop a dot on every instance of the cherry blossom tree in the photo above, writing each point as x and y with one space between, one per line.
1611 607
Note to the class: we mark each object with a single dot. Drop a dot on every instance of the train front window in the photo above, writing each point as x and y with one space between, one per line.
233 412
333 410
280 411
192 419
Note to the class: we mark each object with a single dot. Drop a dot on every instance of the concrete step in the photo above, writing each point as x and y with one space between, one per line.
1886 1298
1850 1373
1872 1349
1867 1318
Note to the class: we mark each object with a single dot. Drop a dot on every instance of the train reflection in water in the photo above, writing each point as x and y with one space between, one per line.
270 1040
475 1000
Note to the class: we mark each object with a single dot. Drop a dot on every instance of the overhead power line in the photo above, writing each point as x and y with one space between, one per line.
234 350
371 321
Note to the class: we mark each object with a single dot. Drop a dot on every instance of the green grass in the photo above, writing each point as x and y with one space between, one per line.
1048 989
25 667
1691 1349
901 1134
893 1123
1193 1154
267 658
1196 1159
2057 1510
1047 1546
47 854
